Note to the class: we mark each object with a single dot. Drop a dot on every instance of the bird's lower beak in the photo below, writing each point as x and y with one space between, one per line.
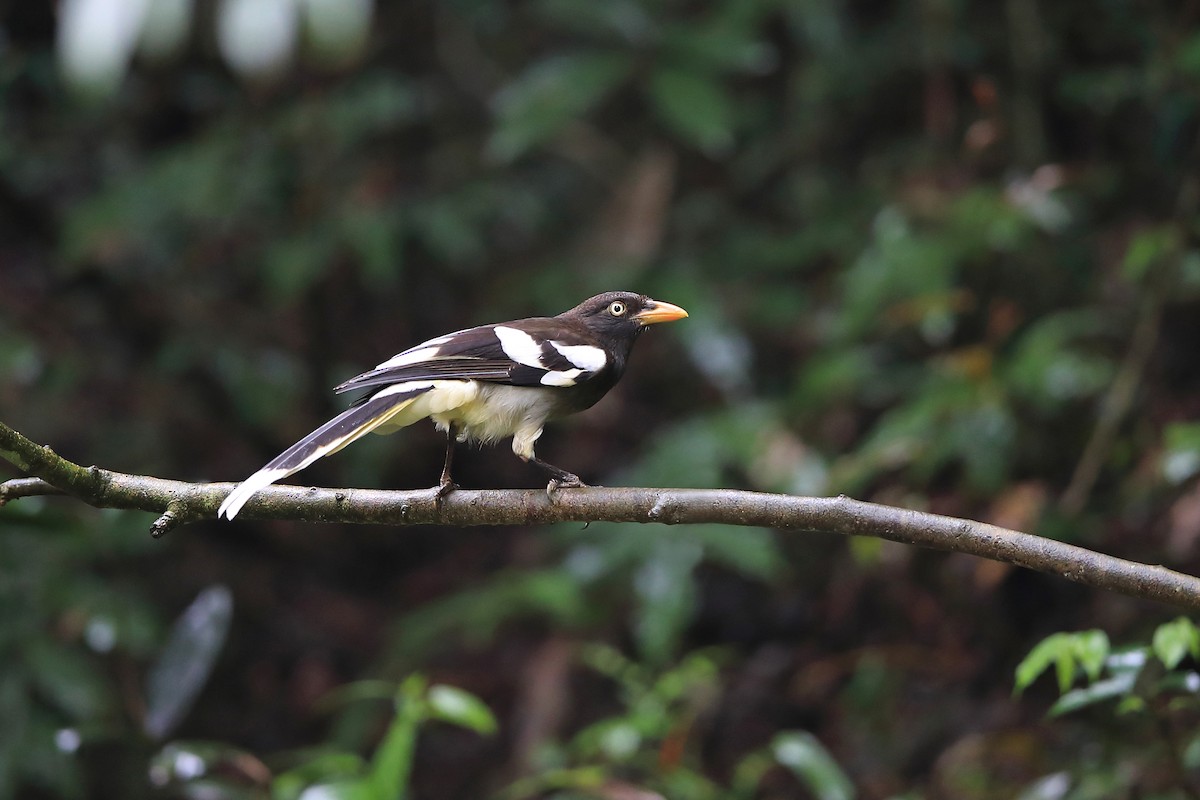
658 311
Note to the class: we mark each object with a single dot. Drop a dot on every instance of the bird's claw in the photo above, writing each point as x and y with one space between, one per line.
567 481
442 490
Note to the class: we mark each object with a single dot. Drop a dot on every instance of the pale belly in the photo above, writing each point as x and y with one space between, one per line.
481 412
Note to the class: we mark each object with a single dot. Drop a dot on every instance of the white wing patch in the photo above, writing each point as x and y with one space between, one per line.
420 352
413 356
401 388
524 349
520 346
584 356
565 378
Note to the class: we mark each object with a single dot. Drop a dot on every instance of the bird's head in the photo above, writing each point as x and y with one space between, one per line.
623 314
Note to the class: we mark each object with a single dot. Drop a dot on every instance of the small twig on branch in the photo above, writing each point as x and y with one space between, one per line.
26 487
179 502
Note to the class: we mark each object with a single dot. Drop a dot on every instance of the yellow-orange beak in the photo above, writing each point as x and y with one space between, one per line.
658 311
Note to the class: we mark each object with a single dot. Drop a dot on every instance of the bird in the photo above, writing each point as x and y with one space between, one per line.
484 384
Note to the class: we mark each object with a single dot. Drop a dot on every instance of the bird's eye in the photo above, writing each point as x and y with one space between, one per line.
617 308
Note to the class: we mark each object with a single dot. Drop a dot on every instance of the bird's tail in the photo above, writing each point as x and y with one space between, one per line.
351 424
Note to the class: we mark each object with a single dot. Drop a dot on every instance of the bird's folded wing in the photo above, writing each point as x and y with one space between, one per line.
434 369
534 352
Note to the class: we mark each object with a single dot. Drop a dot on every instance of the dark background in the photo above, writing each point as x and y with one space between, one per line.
937 254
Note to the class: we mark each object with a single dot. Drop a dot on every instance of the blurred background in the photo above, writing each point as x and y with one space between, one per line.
938 254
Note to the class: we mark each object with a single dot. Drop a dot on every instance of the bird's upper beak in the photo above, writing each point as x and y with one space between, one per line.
658 311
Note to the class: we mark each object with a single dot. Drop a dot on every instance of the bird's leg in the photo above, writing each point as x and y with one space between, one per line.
559 478
446 485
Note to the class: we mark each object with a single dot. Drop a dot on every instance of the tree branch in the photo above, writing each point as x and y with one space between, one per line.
179 502
26 487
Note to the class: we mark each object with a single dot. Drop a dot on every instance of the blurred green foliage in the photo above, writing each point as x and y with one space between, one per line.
653 745
195 769
936 253
1155 695
62 633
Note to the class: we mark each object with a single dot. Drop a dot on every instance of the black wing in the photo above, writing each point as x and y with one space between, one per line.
531 352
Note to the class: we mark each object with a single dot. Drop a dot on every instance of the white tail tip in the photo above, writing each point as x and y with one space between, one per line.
246 489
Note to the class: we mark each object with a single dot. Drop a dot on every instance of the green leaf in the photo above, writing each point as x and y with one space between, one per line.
1092 648
1112 688
1131 704
1063 651
1174 640
1064 670
615 740
1036 662
1147 248
809 761
451 704
1181 451
725 42
1051 363
551 93
1182 436
612 663
321 766
392 762
696 107
749 772
357 692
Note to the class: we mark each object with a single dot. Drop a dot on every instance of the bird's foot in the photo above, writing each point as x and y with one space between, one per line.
564 481
559 477
442 490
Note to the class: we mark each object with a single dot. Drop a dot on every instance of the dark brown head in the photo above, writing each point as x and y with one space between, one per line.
622 315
